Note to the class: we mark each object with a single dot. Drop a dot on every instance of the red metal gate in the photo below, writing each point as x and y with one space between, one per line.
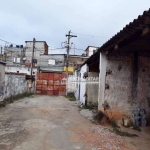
50 84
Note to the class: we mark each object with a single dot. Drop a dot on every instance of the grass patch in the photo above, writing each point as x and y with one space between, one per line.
119 132
14 98
136 128
88 107
71 97
2 104
113 124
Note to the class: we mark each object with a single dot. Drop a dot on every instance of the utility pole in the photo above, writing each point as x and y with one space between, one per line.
32 56
67 60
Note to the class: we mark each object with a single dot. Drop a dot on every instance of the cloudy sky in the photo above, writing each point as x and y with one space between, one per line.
50 20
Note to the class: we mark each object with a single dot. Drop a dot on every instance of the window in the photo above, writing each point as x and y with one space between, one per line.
51 62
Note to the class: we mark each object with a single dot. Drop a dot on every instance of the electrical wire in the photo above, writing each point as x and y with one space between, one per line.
89 35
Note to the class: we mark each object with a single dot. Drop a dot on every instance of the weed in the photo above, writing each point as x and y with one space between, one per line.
136 128
88 107
113 123
11 101
15 98
72 99
2 104
121 133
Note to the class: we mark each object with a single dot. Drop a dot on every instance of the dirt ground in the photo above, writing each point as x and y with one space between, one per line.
54 123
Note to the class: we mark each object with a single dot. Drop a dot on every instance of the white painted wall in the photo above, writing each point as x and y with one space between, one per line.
71 87
2 80
83 84
20 69
103 65
91 50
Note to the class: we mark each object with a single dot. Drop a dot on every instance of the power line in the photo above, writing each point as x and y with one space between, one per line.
7 42
89 35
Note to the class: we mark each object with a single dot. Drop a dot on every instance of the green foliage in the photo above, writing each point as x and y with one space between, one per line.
2 104
12 99
71 97
136 128
113 123
88 107
118 131
121 133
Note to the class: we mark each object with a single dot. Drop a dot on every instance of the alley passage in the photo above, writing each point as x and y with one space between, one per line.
52 123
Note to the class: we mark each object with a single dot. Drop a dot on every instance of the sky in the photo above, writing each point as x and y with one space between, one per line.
93 21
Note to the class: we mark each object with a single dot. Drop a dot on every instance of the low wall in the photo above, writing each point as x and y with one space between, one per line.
16 84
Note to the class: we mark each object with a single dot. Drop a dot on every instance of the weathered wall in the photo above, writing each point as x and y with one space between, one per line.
127 85
117 92
71 85
92 90
76 91
21 69
40 49
143 85
16 85
13 55
82 85
44 59
2 80
74 60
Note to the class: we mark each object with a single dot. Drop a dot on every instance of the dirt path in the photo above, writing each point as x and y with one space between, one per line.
52 123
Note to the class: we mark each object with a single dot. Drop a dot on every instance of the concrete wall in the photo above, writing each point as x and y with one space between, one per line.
102 75
16 85
2 80
43 60
92 90
21 69
76 91
127 86
74 60
13 53
117 92
82 85
143 85
39 49
71 86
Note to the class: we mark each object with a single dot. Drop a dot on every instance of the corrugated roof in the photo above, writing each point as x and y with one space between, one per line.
129 33
133 29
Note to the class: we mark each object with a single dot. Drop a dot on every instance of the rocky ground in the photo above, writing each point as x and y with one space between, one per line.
54 123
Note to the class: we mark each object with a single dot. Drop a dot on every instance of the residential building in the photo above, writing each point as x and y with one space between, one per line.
90 50
14 56
41 48
74 61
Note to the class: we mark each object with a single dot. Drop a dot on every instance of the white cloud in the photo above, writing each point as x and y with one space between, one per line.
50 20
